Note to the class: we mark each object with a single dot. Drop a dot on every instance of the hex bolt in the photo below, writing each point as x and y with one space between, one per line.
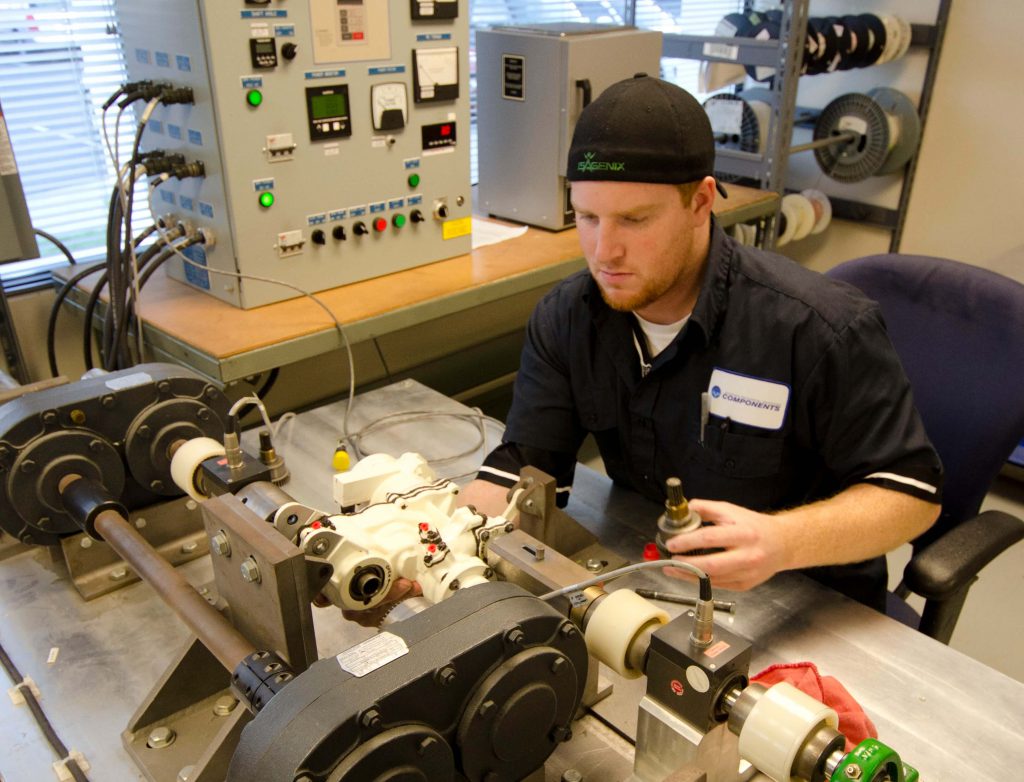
371 719
95 446
108 401
425 745
595 565
485 708
224 705
571 775
446 676
27 467
220 544
558 665
185 774
156 485
209 392
160 737
43 522
140 523
118 574
509 527
567 630
320 546
163 387
852 771
189 548
86 542
514 637
250 571
203 414
144 432
49 417
485 535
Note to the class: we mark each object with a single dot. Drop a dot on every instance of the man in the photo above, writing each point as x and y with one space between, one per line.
771 392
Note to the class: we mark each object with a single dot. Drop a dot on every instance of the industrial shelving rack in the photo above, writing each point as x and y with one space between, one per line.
768 168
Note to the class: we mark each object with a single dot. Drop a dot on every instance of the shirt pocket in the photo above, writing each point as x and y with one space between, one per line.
745 469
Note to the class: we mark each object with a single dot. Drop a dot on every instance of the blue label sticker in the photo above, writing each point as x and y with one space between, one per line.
356 211
162 59
337 214
396 203
319 219
262 184
187 203
411 163
378 207
382 69
415 200
270 14
205 209
195 137
197 276
156 126
174 131
284 30
252 82
184 63
434 37
334 73
142 55
167 197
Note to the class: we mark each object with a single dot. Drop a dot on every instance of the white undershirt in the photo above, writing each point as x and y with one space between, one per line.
658 335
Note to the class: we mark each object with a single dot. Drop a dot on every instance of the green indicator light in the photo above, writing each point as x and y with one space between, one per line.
398 221
414 180
254 98
266 199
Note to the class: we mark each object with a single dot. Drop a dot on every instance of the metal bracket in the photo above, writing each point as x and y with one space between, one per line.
541 518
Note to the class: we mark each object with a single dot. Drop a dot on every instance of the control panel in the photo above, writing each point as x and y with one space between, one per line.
334 135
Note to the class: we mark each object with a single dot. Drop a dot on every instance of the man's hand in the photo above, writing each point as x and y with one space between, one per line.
401 589
488 498
753 551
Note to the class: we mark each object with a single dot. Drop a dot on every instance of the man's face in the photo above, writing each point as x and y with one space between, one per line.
642 246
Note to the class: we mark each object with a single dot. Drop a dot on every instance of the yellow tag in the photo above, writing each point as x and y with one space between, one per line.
456 228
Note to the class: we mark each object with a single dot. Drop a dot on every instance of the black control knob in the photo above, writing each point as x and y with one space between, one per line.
339 233
318 237
416 216
289 50
360 229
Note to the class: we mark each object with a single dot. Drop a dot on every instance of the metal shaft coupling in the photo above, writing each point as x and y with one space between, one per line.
84 499
258 678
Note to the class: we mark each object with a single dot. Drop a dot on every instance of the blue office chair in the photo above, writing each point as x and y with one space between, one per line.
959 332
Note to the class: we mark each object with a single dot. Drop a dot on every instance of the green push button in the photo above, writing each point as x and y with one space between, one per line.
398 221
254 98
266 199
414 180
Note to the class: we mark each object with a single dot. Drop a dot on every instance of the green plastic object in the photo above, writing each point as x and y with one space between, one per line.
873 761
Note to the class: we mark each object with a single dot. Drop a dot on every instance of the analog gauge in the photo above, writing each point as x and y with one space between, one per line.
389 104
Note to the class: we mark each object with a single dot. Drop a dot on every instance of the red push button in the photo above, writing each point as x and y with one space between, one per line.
380 224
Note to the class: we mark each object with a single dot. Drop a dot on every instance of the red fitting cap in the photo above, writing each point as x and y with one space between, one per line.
651 552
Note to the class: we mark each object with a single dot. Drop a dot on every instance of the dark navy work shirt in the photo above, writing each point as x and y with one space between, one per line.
805 393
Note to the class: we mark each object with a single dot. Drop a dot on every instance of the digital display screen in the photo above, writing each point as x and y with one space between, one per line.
327 106
265 46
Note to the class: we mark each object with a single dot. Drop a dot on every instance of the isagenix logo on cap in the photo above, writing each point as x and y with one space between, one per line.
589 164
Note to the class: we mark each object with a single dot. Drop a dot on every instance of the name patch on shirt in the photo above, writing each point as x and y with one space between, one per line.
747 400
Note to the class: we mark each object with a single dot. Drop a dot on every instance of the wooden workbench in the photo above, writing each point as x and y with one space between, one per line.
187 326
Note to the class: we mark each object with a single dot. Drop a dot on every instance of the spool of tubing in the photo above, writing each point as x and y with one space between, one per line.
615 622
714 76
804 215
822 209
893 38
906 33
186 461
788 217
778 726
876 38
763 112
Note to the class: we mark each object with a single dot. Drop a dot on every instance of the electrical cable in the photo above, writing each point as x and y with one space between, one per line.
477 417
59 244
703 579
40 717
51 325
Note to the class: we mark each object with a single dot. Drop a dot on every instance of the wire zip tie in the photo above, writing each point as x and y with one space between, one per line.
16 695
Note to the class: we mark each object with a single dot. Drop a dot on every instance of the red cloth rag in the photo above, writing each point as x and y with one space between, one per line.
853 722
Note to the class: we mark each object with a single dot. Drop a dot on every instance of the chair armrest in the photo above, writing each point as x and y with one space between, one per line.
954 560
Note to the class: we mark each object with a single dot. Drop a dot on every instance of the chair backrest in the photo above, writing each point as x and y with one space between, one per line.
959 332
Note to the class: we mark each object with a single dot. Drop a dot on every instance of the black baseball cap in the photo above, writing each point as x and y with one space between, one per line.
643 130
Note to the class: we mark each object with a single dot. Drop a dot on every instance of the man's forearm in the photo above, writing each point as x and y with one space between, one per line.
859 523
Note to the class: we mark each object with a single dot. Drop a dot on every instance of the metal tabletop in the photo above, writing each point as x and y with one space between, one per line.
950 716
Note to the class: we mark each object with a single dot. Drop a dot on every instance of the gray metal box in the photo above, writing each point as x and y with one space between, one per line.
532 84
361 136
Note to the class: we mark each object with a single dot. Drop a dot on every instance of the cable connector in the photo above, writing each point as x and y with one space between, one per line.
162 163
185 170
170 95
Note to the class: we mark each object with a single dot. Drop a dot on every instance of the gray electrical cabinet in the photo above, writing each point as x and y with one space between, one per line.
532 84
334 136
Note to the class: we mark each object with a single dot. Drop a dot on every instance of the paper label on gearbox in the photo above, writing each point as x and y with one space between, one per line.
372 654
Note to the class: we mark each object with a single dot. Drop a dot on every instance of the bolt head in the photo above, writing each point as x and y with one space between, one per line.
220 544
86 542
144 432
189 548
160 737
371 719
558 665
250 572
203 414
108 401
163 387
224 705
118 574
49 417
28 467
156 485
